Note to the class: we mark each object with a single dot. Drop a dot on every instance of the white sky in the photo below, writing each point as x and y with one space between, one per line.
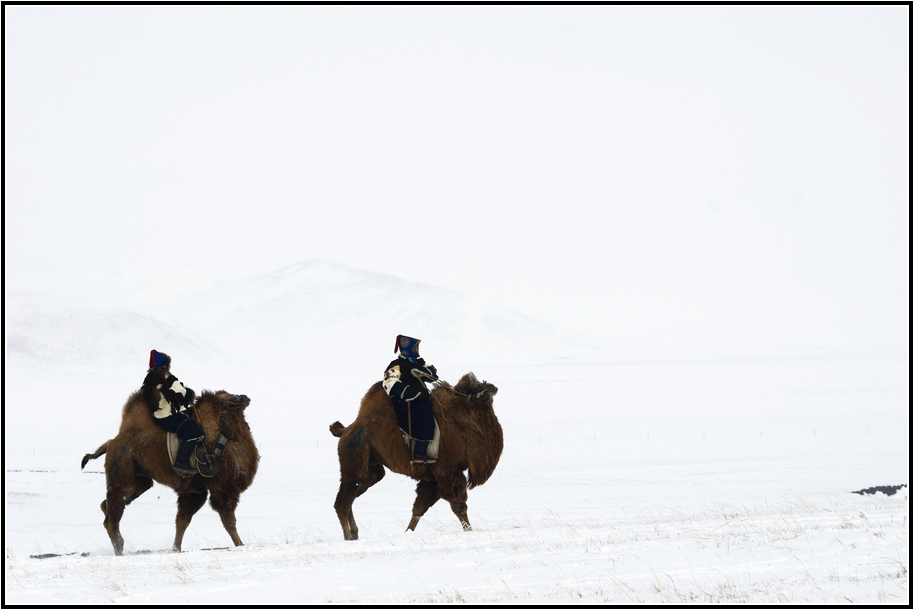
585 161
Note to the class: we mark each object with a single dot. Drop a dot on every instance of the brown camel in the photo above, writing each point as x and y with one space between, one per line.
137 456
471 439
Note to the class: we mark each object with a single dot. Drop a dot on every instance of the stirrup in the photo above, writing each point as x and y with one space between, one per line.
184 471
209 464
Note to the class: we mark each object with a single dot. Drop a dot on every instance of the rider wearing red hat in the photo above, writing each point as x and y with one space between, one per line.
169 399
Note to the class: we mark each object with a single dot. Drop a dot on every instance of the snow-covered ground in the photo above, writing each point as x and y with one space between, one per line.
626 480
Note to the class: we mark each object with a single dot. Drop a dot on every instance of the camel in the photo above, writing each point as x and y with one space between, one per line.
471 439
137 456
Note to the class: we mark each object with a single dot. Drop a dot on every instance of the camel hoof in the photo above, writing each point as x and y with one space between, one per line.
119 545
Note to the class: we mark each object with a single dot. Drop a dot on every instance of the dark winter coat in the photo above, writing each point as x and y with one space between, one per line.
165 395
404 379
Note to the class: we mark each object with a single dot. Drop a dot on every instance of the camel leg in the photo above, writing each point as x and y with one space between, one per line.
460 509
225 505
357 474
188 505
113 508
426 496
120 490
118 500
353 528
343 505
455 492
347 495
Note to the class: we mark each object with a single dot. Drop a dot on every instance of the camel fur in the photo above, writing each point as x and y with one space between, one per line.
138 455
471 440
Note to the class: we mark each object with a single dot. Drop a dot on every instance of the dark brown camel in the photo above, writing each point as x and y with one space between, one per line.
471 439
137 456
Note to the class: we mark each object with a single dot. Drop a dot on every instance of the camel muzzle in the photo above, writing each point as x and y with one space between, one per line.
239 401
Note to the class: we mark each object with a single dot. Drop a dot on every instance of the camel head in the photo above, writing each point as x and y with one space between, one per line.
232 401
229 408
476 391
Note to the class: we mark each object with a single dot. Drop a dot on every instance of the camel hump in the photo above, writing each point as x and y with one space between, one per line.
336 429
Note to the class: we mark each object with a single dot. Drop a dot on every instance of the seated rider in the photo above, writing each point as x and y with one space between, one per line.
170 399
404 382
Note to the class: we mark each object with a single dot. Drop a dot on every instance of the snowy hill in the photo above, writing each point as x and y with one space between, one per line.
308 309
331 308
75 335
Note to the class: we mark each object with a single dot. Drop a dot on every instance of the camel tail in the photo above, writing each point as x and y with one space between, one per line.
91 456
336 429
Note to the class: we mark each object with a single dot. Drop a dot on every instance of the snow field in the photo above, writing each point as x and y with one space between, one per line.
792 552
626 478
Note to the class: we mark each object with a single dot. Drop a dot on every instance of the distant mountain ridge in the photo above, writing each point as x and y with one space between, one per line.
332 302
52 332
307 308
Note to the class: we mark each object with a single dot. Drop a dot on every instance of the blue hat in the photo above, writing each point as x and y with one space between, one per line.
158 360
408 346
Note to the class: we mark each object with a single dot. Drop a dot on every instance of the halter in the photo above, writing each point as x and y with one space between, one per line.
455 391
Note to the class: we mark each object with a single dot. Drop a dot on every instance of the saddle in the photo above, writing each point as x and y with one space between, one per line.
207 464
431 451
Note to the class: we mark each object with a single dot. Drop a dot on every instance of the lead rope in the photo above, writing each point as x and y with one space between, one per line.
448 386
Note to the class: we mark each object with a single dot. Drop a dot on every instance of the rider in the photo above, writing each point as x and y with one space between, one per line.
170 399
404 382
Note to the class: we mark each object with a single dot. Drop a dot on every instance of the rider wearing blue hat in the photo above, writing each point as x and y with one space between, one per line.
404 381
